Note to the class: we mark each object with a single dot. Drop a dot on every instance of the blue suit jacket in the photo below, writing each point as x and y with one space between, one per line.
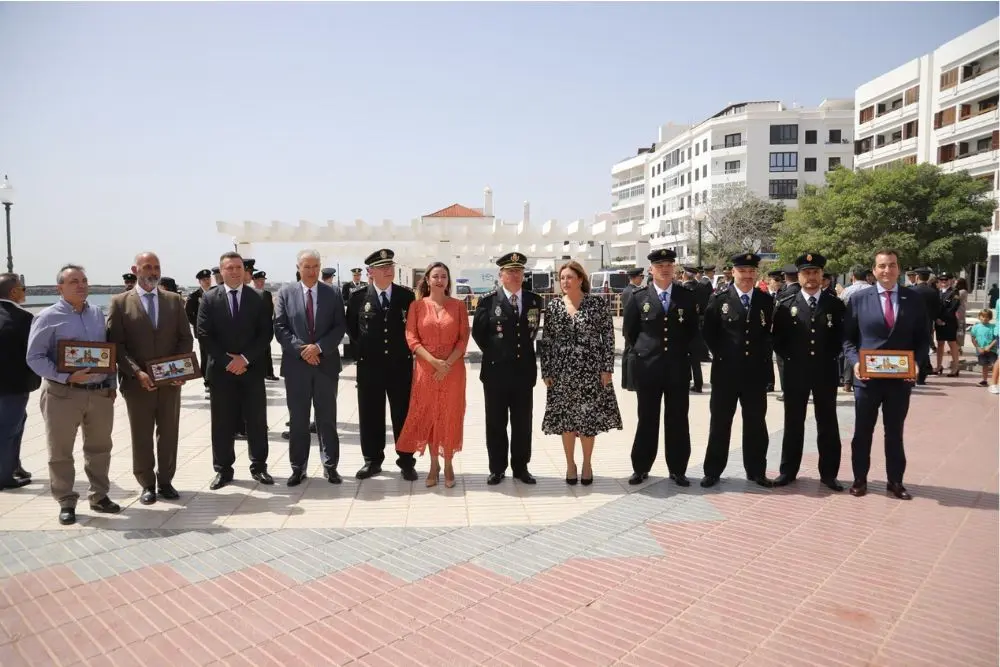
865 328
292 332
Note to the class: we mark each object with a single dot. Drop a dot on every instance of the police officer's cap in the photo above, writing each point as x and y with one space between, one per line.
259 274
710 267
810 260
745 260
691 269
512 260
945 276
790 270
129 277
662 255
204 273
248 264
923 271
356 271
216 271
168 284
827 276
383 257
777 274
327 273
635 273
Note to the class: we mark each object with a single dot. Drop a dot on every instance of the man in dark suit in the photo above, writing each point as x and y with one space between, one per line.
701 294
504 327
346 290
236 327
661 328
376 323
204 278
932 306
775 281
738 332
888 317
309 323
148 323
634 285
17 380
259 281
809 336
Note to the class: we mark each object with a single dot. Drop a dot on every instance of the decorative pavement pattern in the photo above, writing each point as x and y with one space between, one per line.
517 575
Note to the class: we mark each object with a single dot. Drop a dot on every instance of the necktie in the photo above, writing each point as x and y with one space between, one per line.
385 301
235 303
812 305
310 316
890 317
665 300
513 302
746 301
151 308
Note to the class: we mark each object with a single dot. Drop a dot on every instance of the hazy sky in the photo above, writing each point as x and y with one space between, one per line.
133 126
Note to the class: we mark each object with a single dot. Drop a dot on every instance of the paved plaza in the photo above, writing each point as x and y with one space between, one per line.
386 572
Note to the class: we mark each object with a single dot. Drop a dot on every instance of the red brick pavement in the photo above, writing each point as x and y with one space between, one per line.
798 576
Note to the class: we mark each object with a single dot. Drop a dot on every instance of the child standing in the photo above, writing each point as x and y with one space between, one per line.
984 335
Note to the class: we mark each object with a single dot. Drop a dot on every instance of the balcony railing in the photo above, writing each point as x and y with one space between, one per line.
973 114
985 70
630 181
738 144
728 172
842 141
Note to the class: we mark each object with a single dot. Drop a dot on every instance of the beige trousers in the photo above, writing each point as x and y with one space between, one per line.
65 410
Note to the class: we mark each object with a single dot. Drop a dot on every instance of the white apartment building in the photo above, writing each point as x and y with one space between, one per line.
772 149
942 108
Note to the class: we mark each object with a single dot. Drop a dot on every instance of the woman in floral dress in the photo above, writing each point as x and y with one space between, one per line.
577 358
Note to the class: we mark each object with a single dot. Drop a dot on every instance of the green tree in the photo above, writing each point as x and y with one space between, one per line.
929 216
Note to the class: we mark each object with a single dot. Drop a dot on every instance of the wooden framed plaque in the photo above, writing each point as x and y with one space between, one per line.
78 355
170 369
887 364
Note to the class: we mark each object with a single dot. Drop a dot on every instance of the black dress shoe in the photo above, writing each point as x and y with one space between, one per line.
105 506
409 474
240 435
220 481
638 478
709 481
368 470
333 477
67 516
312 427
680 479
695 390
168 492
586 481
286 435
524 477
898 490
262 477
769 388
572 481
272 378
21 473
762 480
15 483
832 484
783 480
859 488
297 478
148 496
494 478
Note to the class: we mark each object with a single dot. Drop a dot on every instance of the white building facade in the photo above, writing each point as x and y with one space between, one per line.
771 149
941 108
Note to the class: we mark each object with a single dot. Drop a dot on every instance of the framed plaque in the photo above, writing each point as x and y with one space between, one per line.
78 355
170 369
887 364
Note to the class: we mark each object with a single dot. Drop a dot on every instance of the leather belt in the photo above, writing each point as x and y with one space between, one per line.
91 386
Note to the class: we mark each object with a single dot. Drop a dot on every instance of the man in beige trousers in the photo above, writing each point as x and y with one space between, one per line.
149 323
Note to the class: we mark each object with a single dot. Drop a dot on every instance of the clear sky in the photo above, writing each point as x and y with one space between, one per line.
136 126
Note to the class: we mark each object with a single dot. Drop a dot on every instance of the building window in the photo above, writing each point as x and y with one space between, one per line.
697 149
682 179
783 189
732 167
704 196
689 201
704 144
810 137
784 161
866 115
697 198
944 118
911 96
832 163
784 134
949 79
910 129
689 153
696 173
946 153
733 140
810 164
834 137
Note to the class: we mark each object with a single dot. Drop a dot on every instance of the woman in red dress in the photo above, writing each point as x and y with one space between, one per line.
437 330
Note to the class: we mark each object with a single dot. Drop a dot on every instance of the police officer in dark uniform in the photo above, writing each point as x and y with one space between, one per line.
327 274
809 336
661 328
204 278
376 324
738 331
790 288
708 276
634 285
130 280
217 275
347 289
700 292
259 280
932 302
776 280
504 327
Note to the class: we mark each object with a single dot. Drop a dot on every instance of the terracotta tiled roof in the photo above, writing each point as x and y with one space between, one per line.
457 211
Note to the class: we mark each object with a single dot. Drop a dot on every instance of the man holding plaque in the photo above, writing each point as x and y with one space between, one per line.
809 336
74 399
148 323
889 317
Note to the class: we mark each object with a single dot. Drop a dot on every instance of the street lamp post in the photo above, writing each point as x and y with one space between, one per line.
7 199
699 218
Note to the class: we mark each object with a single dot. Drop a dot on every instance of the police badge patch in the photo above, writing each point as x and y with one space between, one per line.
725 309
763 322
496 311
645 307
795 311
368 307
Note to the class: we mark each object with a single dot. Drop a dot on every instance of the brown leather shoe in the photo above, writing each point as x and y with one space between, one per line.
898 490
859 488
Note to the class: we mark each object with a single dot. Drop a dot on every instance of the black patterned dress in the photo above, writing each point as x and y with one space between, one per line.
575 350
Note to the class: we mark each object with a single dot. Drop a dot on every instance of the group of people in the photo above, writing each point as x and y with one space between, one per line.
410 346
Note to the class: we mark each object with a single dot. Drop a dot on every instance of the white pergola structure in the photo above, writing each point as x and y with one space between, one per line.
462 237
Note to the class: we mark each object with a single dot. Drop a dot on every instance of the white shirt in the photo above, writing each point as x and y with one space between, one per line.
229 297
315 297
806 295
894 298
510 296
740 294
388 294
145 302
669 291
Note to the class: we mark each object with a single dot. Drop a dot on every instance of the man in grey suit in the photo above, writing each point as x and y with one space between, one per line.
309 323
